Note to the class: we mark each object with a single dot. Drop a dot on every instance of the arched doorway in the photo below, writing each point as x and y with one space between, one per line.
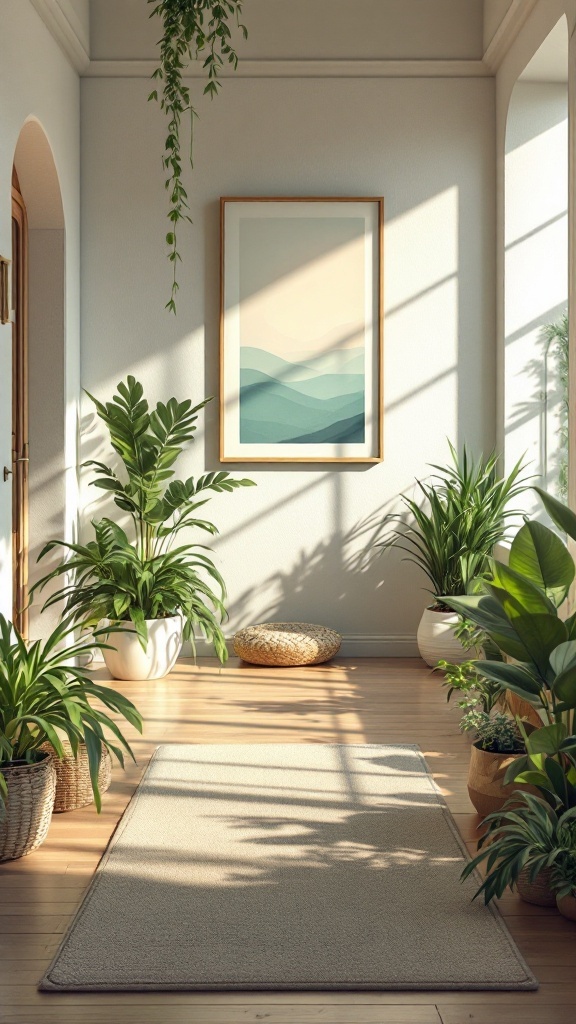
39 415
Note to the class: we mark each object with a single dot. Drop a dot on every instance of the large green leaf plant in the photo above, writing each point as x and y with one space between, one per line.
149 575
520 608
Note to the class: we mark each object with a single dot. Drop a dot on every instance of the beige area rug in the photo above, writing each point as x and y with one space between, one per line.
285 866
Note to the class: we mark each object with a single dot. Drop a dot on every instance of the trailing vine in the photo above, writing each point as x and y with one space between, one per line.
190 28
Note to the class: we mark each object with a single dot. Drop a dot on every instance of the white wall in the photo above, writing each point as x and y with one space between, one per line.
540 28
36 80
536 273
300 545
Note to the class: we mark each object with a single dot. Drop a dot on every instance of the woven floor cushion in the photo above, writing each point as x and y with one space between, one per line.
286 643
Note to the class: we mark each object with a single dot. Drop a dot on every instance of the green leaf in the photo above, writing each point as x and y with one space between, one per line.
527 595
564 687
539 555
560 514
539 633
137 616
547 739
563 657
510 676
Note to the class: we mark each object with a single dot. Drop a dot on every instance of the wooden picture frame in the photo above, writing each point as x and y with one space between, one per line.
301 329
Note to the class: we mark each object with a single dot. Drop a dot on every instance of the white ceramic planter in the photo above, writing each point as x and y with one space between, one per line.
436 638
129 661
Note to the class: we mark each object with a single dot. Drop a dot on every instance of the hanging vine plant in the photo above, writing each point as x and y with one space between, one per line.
191 29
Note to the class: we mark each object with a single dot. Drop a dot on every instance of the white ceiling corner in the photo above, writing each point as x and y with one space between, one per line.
61 19
512 21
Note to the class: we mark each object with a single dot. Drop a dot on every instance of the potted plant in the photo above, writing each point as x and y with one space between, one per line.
497 745
564 875
519 609
153 591
495 735
465 513
524 845
44 695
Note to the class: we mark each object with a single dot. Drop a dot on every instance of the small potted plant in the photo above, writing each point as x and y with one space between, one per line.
498 743
524 847
564 875
151 590
44 695
451 537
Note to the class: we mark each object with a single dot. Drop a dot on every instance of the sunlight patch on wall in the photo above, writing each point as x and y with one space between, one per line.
536 275
421 325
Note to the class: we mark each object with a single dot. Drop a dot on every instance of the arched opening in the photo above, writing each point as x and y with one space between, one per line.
42 396
536 268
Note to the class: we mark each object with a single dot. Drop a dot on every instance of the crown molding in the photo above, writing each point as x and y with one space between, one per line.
302 69
506 33
61 21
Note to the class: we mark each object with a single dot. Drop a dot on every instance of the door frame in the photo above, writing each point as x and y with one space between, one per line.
20 445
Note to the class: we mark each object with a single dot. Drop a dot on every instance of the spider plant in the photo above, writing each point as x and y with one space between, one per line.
526 835
452 533
43 695
148 576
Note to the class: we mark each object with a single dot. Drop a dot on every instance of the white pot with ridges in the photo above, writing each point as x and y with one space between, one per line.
436 639
128 659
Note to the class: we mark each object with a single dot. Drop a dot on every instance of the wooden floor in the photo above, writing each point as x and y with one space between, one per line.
348 701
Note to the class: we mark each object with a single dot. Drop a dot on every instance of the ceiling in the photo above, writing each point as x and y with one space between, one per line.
318 38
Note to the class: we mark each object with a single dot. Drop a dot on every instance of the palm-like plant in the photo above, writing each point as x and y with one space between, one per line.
147 578
464 515
43 695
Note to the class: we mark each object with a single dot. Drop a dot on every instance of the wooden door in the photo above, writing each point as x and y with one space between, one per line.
20 446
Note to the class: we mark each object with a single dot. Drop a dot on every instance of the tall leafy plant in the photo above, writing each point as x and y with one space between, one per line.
149 576
450 534
190 28
519 609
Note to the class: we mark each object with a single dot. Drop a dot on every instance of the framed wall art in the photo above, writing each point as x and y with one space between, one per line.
301 330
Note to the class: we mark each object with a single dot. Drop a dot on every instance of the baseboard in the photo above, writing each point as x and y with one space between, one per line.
354 645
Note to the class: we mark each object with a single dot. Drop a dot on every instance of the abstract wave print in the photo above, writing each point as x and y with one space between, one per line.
319 400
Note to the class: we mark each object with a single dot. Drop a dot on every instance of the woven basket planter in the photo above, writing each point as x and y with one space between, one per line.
286 643
73 786
31 791
538 891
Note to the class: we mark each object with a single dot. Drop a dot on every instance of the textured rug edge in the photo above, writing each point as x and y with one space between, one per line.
530 983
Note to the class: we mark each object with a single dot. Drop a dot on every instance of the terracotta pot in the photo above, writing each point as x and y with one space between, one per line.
515 705
31 789
128 660
436 638
567 906
486 773
539 891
